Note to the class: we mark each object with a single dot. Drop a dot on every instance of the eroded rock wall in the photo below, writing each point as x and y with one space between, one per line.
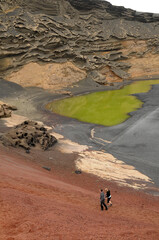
116 42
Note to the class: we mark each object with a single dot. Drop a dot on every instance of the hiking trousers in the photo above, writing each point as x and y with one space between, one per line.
102 203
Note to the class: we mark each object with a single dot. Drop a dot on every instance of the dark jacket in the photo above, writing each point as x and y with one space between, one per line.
108 195
102 197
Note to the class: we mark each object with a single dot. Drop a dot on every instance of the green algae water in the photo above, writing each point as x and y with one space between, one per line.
105 108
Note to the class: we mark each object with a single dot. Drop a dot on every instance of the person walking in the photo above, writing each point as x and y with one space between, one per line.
102 200
108 196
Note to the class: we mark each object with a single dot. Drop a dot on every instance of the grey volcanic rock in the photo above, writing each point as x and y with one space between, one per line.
91 33
6 110
97 77
27 135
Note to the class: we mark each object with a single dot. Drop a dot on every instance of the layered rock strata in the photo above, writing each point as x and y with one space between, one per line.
116 43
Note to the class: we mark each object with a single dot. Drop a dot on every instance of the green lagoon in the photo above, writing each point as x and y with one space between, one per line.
105 108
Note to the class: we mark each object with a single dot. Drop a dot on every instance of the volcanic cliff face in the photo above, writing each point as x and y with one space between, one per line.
66 40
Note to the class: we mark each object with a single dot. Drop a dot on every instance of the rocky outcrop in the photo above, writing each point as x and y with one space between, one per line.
92 34
6 110
97 77
27 135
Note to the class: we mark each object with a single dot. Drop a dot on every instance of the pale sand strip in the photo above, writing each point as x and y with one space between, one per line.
96 138
67 146
14 120
108 167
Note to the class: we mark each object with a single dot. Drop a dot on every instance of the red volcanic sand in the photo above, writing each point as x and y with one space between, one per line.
60 205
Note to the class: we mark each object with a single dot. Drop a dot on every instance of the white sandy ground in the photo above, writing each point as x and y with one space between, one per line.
106 166
98 139
99 163
14 120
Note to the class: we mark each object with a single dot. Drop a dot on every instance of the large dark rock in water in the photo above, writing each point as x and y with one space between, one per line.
27 135
119 43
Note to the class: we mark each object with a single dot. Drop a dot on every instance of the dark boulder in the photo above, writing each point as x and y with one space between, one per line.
27 135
